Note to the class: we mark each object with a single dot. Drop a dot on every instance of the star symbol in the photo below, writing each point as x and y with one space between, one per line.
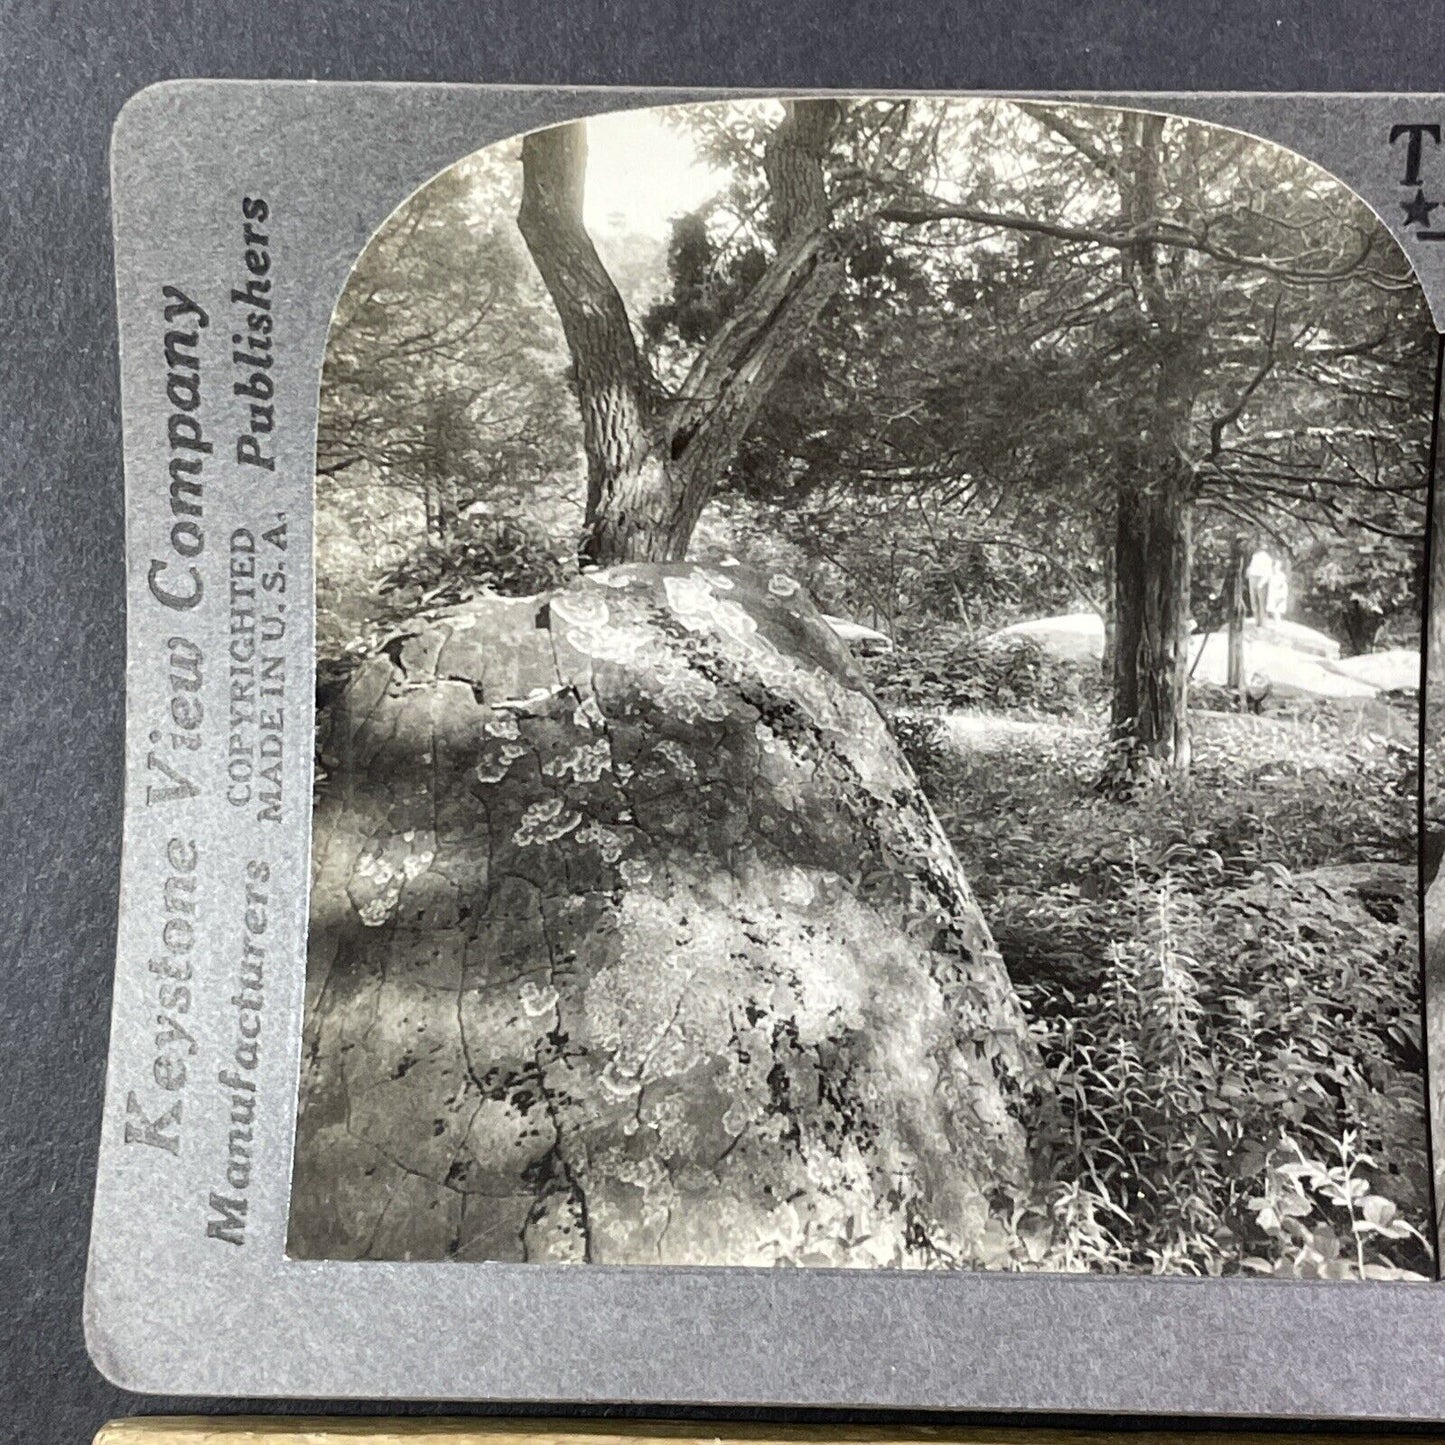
1417 212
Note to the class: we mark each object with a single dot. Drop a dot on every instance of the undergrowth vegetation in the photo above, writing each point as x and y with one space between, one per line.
1223 977
935 669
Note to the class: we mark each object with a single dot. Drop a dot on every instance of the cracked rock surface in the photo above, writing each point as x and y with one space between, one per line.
633 940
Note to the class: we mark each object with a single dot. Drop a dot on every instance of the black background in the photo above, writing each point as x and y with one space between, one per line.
65 70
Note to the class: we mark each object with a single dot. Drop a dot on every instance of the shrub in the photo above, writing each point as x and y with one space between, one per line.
1433 776
923 740
1236 1047
1229 1083
1005 674
495 554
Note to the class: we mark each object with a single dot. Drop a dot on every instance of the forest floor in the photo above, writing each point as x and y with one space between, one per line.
1235 1032
1287 736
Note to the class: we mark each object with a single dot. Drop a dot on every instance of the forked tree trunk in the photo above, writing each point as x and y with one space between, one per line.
1151 669
653 463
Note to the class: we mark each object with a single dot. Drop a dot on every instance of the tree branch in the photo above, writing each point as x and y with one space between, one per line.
927 210
1227 419
1051 120
733 374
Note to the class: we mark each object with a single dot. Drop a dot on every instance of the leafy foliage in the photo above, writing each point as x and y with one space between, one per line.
1008 674
950 442
507 555
442 376
511 556
1235 1044
1359 583
444 393
1223 1031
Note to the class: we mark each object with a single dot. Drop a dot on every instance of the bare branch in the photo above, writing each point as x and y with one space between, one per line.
927 210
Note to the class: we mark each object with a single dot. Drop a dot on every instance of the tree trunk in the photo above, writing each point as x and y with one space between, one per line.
1110 609
630 495
653 463
1152 550
1235 602
1362 625
1151 673
448 510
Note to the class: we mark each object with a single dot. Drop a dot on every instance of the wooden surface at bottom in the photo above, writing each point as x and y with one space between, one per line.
299 1430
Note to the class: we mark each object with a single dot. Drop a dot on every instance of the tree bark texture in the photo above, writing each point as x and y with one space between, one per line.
633 940
653 462
1234 589
1152 550
1151 660
1111 592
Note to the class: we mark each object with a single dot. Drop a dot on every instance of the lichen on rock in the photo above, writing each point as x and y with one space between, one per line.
634 940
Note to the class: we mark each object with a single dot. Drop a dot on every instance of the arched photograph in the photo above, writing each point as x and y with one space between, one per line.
868 680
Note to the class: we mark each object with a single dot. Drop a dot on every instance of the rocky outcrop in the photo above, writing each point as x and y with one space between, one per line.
633 940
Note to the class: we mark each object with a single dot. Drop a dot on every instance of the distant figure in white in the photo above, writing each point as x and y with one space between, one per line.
1259 574
1278 598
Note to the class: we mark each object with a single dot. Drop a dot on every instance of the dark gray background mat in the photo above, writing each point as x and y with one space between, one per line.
65 70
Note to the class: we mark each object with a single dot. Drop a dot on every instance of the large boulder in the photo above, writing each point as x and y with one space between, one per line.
1396 669
1074 637
633 940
